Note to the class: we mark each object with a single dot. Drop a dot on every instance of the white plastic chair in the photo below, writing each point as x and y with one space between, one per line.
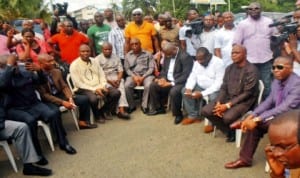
9 154
73 89
47 132
207 122
238 132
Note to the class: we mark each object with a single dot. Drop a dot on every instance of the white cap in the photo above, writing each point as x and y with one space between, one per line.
137 10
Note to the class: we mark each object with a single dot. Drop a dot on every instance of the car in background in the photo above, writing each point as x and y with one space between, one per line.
18 25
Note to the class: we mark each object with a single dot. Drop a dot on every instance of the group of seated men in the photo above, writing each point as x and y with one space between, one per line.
205 87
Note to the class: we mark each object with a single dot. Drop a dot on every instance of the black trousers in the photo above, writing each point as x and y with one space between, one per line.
39 111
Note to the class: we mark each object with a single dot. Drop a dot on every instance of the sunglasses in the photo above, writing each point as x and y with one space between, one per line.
136 14
278 67
253 9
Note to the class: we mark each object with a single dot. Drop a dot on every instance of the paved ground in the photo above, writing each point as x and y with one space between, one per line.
144 147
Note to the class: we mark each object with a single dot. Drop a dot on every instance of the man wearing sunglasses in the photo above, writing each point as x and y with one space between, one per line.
142 30
284 96
283 152
254 34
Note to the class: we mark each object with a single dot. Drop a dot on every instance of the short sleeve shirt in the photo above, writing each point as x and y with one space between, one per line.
98 35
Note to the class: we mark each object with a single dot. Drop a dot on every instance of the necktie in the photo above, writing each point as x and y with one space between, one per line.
280 94
52 87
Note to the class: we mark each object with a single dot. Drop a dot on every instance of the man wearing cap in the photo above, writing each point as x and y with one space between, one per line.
141 30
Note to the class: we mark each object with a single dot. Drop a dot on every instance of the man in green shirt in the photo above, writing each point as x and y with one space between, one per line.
98 34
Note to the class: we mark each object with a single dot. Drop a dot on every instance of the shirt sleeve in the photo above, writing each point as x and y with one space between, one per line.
192 79
220 70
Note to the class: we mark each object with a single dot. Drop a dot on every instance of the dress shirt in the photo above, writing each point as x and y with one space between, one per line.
291 98
170 75
255 36
117 39
209 78
141 64
223 41
111 66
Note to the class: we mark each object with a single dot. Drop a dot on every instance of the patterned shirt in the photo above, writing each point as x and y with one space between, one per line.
117 39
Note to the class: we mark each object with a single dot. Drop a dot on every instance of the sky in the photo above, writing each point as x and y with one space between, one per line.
77 4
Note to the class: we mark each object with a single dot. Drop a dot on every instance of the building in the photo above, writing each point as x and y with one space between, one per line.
85 13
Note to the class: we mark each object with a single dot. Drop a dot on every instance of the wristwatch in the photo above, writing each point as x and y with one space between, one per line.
256 119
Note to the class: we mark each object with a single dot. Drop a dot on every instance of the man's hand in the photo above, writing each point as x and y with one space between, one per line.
276 166
136 80
32 66
11 60
219 109
196 95
68 105
248 123
99 92
188 93
113 83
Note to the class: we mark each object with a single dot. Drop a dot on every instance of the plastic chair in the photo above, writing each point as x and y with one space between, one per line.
10 156
238 132
47 132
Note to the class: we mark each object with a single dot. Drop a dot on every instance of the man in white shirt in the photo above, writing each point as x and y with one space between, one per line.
224 38
204 81
175 71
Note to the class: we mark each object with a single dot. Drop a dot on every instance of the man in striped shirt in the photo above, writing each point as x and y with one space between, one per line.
117 39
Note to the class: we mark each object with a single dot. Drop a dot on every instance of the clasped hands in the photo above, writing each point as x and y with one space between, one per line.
138 80
69 104
162 82
101 91
114 83
195 95
219 109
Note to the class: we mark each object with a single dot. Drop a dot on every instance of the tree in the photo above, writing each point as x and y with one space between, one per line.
15 9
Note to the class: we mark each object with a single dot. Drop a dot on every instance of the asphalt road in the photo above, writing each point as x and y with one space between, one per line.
144 147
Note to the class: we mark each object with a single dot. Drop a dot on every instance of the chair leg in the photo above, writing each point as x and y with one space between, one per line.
9 155
238 137
92 119
75 118
47 133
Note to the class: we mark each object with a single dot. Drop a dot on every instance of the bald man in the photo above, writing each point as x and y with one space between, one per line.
237 95
283 152
175 71
89 79
284 96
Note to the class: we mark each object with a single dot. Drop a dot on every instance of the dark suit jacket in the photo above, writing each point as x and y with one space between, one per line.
240 88
182 68
60 85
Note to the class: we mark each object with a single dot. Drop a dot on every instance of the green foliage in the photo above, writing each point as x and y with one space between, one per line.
14 9
181 6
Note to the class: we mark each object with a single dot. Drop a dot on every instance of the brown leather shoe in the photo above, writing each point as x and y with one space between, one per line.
236 125
236 164
208 129
187 121
85 125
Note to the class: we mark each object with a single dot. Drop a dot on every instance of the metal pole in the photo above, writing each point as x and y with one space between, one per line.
229 9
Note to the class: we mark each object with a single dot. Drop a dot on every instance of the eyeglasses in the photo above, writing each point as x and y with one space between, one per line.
136 14
281 149
278 67
253 9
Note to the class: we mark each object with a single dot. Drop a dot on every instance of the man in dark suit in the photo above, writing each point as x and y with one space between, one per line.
284 96
237 95
175 71
57 93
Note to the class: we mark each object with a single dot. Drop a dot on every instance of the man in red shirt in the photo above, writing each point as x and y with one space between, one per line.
68 42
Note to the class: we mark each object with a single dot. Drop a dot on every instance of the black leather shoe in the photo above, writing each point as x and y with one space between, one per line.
230 136
155 112
69 149
123 115
178 119
42 162
30 169
130 110
145 110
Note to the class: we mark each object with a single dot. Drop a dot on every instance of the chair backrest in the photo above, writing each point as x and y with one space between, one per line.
70 83
261 88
